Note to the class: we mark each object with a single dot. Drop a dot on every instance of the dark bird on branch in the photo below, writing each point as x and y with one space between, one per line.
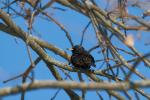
81 58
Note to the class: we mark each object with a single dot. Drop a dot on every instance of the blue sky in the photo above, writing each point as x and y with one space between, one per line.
14 59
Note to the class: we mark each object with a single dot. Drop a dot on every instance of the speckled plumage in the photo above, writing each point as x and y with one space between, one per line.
81 58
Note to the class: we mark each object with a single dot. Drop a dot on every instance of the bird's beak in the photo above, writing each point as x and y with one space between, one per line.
70 49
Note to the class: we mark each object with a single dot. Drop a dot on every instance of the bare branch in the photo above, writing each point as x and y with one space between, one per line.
121 86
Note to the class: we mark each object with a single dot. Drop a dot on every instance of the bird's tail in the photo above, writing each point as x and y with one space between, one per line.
93 65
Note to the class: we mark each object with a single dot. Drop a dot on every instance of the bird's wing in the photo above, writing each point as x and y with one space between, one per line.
89 59
92 60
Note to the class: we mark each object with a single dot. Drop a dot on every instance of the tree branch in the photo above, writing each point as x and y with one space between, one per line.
119 86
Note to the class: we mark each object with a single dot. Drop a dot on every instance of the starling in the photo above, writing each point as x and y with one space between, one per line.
81 58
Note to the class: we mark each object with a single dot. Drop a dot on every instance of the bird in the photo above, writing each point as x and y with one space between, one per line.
81 58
